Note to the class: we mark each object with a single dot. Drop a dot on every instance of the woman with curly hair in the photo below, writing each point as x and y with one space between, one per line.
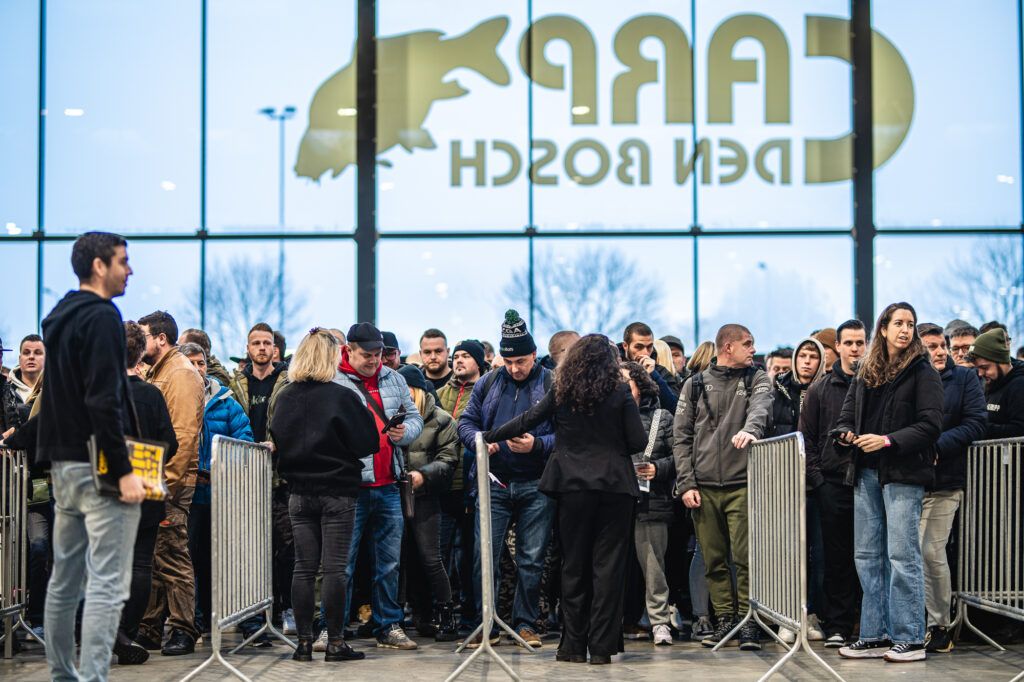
590 474
892 416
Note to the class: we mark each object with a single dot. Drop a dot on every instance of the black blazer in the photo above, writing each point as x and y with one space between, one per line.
592 451
912 418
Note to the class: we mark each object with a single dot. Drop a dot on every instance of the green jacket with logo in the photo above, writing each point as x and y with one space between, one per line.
703 449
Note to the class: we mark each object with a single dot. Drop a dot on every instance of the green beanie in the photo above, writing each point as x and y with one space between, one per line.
993 346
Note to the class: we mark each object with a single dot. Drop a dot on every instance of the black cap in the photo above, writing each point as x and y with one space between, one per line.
390 340
674 341
366 335
2 349
413 376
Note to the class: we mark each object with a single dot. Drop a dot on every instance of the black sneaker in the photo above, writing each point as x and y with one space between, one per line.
835 640
905 652
180 643
725 625
750 636
938 640
862 649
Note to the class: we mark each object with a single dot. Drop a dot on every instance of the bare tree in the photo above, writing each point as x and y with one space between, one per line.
987 283
597 290
242 292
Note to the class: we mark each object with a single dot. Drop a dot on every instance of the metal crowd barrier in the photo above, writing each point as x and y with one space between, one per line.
777 540
991 575
483 482
15 485
240 540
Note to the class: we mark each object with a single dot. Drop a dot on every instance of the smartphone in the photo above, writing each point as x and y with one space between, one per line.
396 419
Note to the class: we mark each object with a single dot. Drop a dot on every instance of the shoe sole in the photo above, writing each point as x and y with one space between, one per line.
183 652
834 645
750 646
709 644
864 654
400 647
663 644
906 658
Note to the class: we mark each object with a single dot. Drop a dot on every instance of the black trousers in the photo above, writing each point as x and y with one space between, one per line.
596 529
40 558
322 527
199 520
142 580
842 592
283 548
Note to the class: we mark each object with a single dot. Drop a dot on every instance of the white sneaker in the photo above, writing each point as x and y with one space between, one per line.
288 622
320 644
662 635
787 635
814 631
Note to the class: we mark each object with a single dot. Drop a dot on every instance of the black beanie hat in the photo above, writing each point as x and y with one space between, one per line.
475 350
515 339
413 376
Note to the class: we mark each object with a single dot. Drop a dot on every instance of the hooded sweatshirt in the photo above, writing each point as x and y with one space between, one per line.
84 386
1005 401
790 393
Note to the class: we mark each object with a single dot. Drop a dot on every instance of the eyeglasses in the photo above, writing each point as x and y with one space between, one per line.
959 350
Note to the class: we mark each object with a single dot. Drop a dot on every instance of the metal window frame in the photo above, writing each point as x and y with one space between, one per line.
366 234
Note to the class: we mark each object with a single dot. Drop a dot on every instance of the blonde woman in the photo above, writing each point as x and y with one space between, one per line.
664 357
321 430
701 358
431 460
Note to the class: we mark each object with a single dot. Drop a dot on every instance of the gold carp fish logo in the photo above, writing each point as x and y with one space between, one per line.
409 85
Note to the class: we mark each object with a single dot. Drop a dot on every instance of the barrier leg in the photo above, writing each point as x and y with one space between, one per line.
766 628
8 637
973 628
216 657
22 624
267 626
732 633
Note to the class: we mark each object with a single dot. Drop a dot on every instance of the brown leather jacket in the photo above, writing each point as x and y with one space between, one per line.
183 391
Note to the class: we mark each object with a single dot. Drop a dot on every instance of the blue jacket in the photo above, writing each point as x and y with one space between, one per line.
481 412
394 392
964 419
223 417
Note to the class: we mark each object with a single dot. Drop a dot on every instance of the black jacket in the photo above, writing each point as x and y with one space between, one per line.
84 385
787 404
592 451
963 421
10 404
321 431
822 404
912 418
1005 398
154 424
657 505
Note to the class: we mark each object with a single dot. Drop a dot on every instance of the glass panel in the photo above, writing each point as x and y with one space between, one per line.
461 287
246 284
19 116
452 116
959 162
266 54
773 92
601 285
18 263
973 278
165 276
122 131
612 111
782 289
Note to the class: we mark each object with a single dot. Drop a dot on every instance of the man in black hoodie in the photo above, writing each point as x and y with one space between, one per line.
84 395
826 469
1004 383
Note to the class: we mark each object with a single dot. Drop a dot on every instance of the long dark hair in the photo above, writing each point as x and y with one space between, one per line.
644 383
878 368
588 374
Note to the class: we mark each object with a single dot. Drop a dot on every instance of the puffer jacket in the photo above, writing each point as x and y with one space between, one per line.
964 420
215 369
453 398
394 393
183 391
912 418
703 449
437 451
223 417
656 506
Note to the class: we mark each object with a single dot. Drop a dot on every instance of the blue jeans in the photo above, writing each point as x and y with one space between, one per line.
533 513
379 510
887 553
93 538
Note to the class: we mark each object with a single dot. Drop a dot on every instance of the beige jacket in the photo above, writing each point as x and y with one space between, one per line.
183 391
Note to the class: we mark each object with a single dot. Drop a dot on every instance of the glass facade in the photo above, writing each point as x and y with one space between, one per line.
688 163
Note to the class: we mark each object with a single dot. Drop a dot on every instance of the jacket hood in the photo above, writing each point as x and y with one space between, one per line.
278 368
839 376
21 386
821 354
67 308
215 391
347 367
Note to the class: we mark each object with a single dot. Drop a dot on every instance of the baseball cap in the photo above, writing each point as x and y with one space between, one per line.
390 340
366 335
673 341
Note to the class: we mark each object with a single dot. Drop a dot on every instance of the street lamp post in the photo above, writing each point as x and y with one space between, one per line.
280 116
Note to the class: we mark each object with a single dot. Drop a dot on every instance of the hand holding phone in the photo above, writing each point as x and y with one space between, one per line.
397 419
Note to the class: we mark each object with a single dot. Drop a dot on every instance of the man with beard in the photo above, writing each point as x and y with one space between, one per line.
173 593
434 353
1004 384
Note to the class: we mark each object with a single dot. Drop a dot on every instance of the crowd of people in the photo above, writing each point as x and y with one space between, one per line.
618 476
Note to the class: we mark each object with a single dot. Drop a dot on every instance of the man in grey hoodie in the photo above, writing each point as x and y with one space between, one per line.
721 411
